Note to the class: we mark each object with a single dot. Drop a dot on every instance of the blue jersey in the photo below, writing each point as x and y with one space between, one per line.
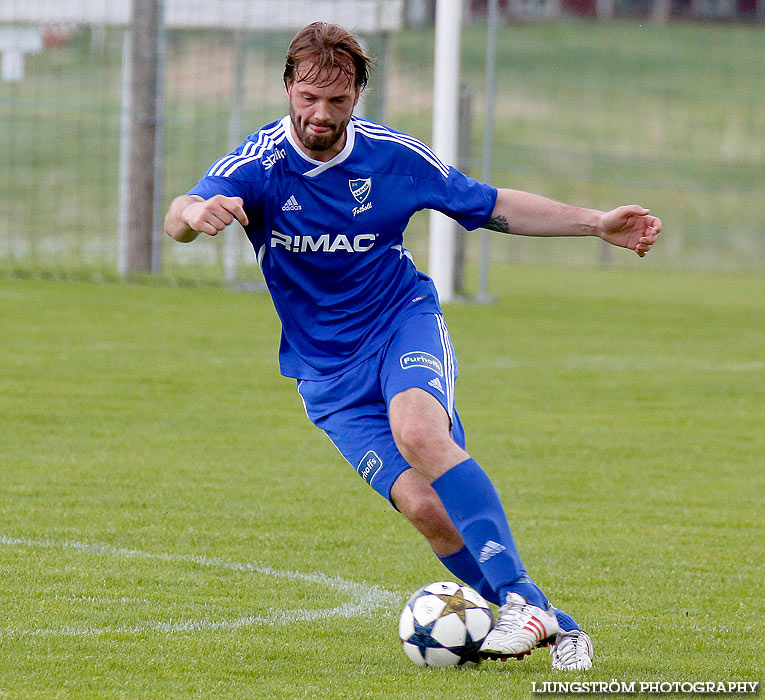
329 235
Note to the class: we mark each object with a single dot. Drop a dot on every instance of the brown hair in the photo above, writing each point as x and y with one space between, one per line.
327 47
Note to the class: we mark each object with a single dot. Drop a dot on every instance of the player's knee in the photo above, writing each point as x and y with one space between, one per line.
421 429
413 440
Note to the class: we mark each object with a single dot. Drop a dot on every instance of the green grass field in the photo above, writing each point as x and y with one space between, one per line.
172 526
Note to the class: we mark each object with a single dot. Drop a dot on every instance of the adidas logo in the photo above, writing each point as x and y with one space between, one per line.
490 549
436 384
291 204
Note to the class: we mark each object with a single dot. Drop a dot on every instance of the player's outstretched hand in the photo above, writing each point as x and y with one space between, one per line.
631 227
212 215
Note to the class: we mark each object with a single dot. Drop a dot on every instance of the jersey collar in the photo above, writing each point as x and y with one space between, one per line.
320 165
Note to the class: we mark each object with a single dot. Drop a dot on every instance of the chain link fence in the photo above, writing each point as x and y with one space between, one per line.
595 113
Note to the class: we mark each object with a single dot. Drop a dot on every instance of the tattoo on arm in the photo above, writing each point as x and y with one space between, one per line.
498 223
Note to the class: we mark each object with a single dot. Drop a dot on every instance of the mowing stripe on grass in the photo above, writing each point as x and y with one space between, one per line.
363 599
604 363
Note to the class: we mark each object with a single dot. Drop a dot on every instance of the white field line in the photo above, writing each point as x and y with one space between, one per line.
363 599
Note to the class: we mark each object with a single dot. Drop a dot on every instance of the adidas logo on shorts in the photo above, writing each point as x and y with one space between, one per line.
291 204
436 384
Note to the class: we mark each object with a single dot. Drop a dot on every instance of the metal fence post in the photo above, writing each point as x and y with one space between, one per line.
137 250
488 140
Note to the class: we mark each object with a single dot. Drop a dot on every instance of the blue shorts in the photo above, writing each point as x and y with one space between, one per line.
352 409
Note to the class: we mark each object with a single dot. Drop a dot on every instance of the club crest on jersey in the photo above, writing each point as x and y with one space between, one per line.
422 359
360 189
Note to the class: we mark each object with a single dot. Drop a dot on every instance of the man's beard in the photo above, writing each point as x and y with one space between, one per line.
317 142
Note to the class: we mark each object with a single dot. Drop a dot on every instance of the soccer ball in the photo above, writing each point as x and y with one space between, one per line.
444 624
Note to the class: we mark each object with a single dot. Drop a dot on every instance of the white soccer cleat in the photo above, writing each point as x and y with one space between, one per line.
520 627
572 651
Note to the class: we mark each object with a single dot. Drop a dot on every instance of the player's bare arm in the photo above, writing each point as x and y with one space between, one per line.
190 215
527 214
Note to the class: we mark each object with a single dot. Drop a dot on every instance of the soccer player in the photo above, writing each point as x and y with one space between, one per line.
325 197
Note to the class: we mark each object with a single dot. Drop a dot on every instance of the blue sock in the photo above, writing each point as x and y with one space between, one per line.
565 621
463 566
474 507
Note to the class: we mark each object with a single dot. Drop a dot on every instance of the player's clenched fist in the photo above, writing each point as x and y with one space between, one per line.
631 227
212 215
190 215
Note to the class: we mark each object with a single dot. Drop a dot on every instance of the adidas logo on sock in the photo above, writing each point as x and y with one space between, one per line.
490 549
291 204
436 384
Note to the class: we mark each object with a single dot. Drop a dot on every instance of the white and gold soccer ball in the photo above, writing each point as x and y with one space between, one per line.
444 624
